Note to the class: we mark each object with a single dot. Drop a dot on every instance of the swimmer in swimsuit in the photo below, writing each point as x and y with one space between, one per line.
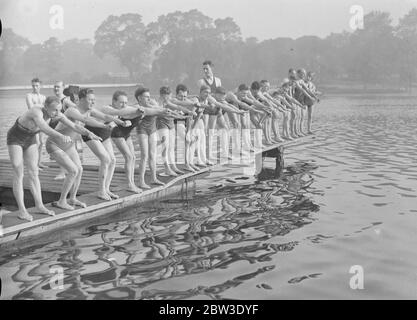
21 144
147 135
103 149
189 106
69 98
311 86
279 108
167 132
308 98
35 98
121 134
71 124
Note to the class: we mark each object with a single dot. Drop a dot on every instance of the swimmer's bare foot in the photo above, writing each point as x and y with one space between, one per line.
60 176
177 170
113 195
62 205
134 189
24 216
309 132
195 167
44 210
201 164
76 202
103 196
42 166
209 163
170 173
157 182
144 186
189 168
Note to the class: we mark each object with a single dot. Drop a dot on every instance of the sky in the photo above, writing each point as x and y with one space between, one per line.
263 19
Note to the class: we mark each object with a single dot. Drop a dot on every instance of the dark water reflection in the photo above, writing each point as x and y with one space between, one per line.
348 197
180 238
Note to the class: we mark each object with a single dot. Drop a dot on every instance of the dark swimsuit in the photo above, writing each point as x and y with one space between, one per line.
21 136
103 133
215 111
164 122
124 132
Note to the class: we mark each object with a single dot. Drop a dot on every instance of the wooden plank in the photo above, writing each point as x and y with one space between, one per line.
13 227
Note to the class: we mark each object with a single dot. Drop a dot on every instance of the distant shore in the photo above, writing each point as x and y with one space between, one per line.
93 85
327 88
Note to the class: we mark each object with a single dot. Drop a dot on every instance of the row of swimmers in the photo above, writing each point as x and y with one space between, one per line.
276 115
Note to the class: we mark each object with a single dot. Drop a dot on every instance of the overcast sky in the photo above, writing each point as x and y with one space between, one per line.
263 19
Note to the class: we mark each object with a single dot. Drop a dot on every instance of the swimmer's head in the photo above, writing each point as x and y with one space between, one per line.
165 92
242 90
292 74
87 98
53 106
310 75
255 86
143 96
208 68
119 99
204 91
182 92
265 85
59 88
301 73
285 83
36 85
220 93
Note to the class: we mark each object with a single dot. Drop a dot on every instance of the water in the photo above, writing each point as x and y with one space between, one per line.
347 198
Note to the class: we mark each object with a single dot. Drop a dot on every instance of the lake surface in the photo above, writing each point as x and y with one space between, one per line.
347 201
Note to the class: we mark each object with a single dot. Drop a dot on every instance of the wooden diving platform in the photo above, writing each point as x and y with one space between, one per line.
15 232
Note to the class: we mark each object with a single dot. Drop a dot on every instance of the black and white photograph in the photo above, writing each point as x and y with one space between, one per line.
221 150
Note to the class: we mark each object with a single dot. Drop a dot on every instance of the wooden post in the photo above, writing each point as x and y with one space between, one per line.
279 161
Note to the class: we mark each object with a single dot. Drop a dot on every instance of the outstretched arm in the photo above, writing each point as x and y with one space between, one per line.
76 115
29 103
174 106
126 111
44 127
107 117
77 128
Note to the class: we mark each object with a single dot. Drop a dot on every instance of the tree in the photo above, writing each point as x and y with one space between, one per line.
12 47
373 49
406 32
124 37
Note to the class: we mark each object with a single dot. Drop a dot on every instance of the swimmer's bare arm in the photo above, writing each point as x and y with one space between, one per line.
306 91
276 102
231 98
44 127
257 104
284 102
73 113
107 117
292 100
29 103
225 106
126 111
68 103
77 128
177 105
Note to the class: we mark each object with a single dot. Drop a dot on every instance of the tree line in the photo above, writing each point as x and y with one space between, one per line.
170 50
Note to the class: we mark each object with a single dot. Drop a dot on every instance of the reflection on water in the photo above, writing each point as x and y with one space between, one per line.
177 239
348 197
